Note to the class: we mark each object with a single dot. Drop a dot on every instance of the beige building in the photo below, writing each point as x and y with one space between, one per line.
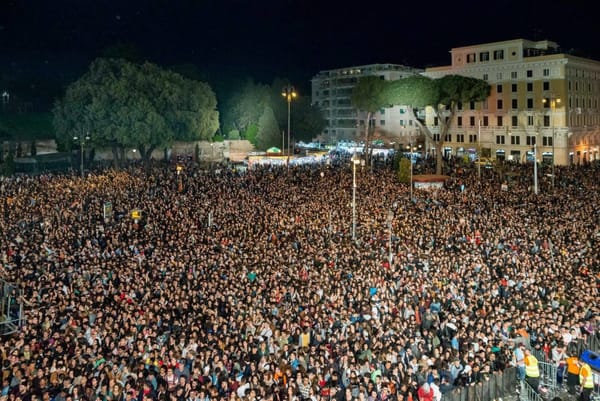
331 91
540 97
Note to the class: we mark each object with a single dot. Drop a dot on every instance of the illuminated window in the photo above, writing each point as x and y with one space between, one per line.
498 54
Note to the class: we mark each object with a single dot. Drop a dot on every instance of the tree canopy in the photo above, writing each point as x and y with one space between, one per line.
442 96
125 105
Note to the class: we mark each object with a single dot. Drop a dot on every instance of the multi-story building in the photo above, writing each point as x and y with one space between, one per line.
541 98
331 91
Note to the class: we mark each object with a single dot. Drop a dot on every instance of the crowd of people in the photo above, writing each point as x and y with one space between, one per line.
250 286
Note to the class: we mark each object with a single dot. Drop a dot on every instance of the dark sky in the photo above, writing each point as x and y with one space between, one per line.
280 38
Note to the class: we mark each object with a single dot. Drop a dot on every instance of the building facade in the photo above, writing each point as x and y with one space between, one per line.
331 92
541 99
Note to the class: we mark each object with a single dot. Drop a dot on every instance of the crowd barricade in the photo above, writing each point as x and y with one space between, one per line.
527 393
499 385
11 308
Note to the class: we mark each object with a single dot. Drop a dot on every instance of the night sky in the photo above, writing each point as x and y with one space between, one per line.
265 39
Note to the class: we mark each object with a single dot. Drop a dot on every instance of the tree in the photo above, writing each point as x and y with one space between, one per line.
368 96
124 105
244 107
307 120
268 130
441 96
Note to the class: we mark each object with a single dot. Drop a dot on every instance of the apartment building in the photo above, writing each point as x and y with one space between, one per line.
541 97
331 91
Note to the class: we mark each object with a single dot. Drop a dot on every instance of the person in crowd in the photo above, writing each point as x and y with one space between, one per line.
250 286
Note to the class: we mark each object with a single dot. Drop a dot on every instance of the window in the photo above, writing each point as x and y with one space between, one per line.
402 123
382 122
460 138
499 139
499 88
484 104
436 122
436 137
402 111
547 141
485 77
529 73
529 86
546 102
471 58
530 140
514 104
499 121
513 75
530 121
381 111
448 138
498 54
499 76
515 140
514 88
472 121
499 104
530 103
459 106
546 72
484 56
485 121
514 121
472 138
546 121
546 85
459 121
471 105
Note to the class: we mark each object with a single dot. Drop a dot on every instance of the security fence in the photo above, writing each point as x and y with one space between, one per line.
500 385
11 310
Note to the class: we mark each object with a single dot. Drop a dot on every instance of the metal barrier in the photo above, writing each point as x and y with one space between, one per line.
500 385
529 394
11 310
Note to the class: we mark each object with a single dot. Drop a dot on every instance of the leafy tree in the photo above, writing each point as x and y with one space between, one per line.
268 130
244 107
233 135
124 105
441 96
251 133
307 120
369 96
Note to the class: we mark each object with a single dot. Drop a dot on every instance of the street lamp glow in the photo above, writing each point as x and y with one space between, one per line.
82 141
289 93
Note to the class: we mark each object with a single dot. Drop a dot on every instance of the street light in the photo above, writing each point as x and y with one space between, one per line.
289 93
82 142
390 217
479 150
355 162
553 100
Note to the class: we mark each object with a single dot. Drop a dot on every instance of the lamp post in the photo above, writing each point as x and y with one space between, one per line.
479 150
535 175
82 140
355 162
289 93
553 100
390 217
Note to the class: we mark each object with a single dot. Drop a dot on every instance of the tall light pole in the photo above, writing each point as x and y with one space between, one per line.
355 162
535 174
390 217
479 150
553 100
82 140
289 93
